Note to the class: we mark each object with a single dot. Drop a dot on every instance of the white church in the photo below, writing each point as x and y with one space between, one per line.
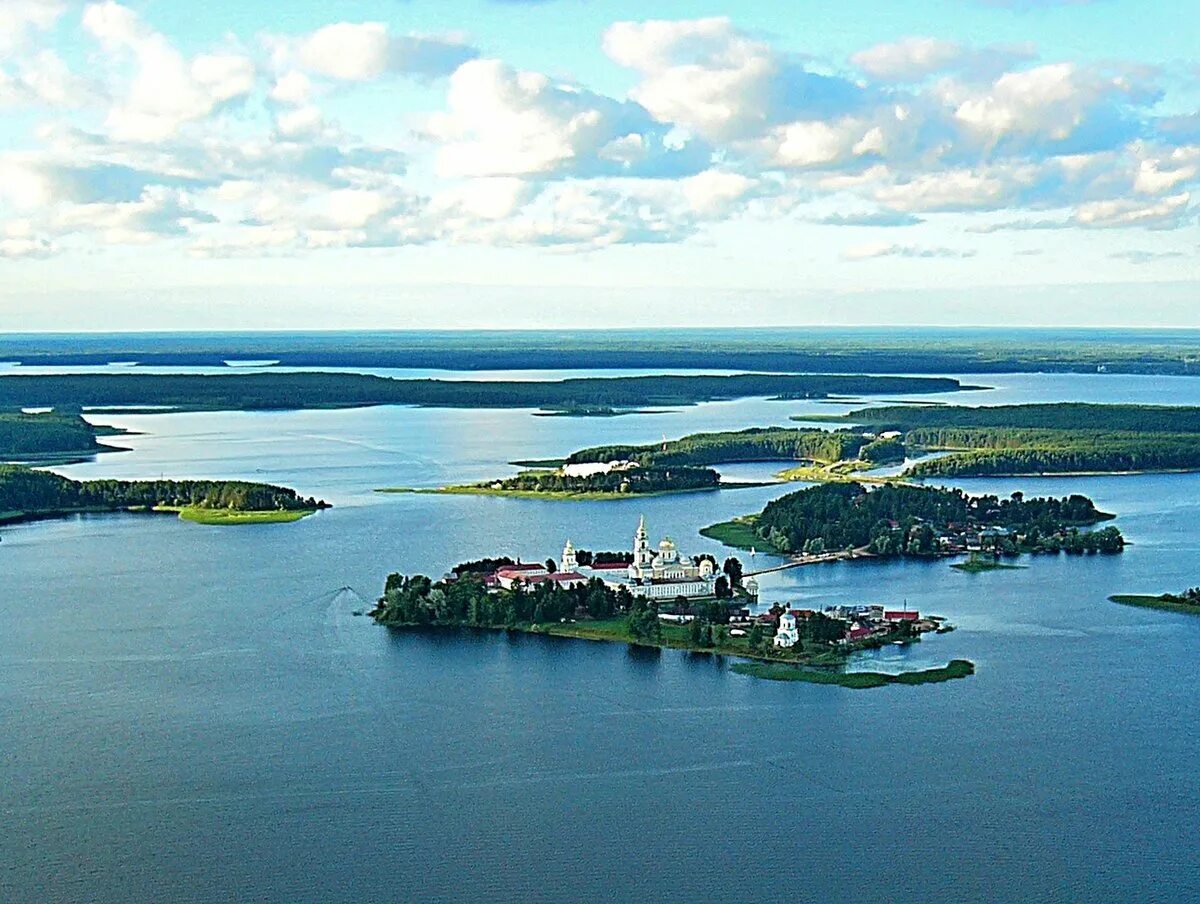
659 574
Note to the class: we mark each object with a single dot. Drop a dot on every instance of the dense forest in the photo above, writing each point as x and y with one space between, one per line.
417 600
897 519
755 444
1054 416
633 481
279 391
1042 439
898 351
29 492
45 434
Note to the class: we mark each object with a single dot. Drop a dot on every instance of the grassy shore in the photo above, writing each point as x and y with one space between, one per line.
777 671
1162 602
227 517
738 533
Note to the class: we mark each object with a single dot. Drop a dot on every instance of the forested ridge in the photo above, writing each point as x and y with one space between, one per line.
26 491
283 391
1053 416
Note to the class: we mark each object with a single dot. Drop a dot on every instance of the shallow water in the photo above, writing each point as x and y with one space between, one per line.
193 714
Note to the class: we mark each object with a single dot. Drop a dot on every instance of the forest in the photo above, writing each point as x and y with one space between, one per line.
417 600
45 434
1042 439
899 519
290 391
27 493
755 444
633 481
900 351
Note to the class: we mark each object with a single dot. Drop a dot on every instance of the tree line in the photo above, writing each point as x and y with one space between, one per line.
754 444
289 391
897 519
29 491
635 480
43 434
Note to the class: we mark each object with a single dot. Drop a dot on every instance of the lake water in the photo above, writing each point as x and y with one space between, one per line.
195 714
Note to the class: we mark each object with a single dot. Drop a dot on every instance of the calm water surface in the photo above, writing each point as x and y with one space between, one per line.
194 714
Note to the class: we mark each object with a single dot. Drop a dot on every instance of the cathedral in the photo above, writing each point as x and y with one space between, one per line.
656 573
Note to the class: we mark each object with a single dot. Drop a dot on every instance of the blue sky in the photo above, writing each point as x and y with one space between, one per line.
410 163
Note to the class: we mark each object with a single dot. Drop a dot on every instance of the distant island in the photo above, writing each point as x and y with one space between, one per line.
50 437
1018 440
28 495
291 391
898 520
1187 602
775 349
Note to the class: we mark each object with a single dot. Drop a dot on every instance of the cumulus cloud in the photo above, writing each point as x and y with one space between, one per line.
167 89
885 218
714 80
359 52
507 122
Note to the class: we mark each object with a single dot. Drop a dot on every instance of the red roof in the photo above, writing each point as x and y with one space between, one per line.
901 616
610 566
520 567
802 613
856 633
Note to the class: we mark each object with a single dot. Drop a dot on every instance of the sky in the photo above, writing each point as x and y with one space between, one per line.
324 164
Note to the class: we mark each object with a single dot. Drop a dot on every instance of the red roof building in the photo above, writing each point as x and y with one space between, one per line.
901 616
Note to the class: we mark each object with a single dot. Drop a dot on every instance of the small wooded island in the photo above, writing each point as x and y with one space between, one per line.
29 495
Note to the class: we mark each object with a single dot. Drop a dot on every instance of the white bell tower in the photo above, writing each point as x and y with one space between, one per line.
569 562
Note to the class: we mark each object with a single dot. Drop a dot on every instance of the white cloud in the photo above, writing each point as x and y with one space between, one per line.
166 90
1163 214
20 18
914 58
506 122
360 52
872 251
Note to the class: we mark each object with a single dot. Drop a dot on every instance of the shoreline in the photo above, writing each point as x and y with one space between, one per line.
817 668
562 495
1151 601
191 514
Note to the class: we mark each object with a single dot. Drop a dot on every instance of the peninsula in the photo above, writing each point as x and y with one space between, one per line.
50 437
1017 440
28 495
1187 602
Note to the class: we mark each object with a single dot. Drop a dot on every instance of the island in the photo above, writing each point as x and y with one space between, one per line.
281 391
657 597
683 465
848 520
1187 602
606 483
1019 440
50 438
29 495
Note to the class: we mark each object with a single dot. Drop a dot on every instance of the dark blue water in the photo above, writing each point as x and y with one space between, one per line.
192 714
